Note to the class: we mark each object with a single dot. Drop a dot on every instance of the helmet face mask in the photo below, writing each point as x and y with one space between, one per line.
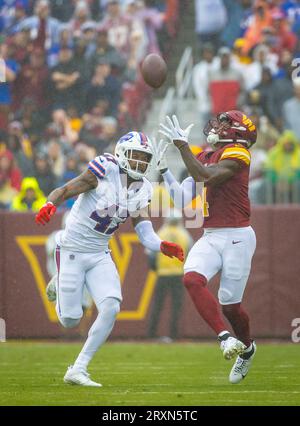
231 127
134 155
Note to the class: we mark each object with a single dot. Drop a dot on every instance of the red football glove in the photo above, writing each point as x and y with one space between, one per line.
172 250
45 213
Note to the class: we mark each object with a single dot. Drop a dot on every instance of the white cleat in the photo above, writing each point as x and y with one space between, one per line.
232 347
241 367
51 289
75 377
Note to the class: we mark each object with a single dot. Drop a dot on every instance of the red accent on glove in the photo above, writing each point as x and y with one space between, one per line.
45 213
172 250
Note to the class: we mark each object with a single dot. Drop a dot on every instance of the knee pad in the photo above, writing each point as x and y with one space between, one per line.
110 307
193 278
69 322
225 296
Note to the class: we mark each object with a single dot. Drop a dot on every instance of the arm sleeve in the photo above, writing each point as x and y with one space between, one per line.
147 236
181 194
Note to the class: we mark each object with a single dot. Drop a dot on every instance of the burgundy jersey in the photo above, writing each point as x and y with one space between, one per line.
227 205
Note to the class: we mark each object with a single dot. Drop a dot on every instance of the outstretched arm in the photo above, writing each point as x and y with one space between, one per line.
212 175
151 240
82 183
181 194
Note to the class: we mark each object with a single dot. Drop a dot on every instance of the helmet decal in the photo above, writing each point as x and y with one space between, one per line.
144 140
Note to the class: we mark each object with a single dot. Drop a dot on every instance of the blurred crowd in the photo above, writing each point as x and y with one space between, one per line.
70 85
250 60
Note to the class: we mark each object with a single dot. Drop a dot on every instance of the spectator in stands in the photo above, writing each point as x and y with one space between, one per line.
238 11
21 148
43 173
104 85
169 277
267 134
118 26
81 16
30 197
62 10
262 18
226 84
19 14
291 110
9 71
152 21
105 52
283 169
56 157
32 119
201 74
67 81
262 58
71 171
10 177
284 38
125 121
211 19
23 45
63 124
109 134
32 80
44 29
84 155
264 92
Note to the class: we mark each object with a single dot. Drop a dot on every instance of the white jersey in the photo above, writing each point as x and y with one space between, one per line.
97 213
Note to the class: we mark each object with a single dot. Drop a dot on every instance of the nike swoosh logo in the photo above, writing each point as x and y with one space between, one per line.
236 242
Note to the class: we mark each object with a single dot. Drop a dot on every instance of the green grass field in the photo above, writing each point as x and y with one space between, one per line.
147 374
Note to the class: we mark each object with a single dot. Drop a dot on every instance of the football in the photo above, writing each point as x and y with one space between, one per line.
154 70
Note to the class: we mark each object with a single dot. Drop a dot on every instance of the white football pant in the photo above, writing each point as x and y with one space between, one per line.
229 250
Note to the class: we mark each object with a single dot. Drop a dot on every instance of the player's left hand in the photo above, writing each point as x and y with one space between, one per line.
172 250
159 152
173 131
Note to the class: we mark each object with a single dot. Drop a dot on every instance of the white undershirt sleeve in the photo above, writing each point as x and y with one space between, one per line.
182 194
147 236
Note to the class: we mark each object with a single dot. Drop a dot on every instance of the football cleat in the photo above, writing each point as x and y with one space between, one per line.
232 347
241 367
81 378
51 289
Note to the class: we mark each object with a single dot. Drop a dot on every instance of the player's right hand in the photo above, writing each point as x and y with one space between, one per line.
45 213
173 131
172 250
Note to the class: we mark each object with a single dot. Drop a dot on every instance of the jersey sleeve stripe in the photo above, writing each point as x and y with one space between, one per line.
101 168
237 156
96 172
236 152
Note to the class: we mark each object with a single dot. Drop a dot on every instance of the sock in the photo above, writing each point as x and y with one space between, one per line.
224 335
98 333
204 301
248 352
239 321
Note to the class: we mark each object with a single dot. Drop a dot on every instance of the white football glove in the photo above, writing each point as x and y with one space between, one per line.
173 131
159 150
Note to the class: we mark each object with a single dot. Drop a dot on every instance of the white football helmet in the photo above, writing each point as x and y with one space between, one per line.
129 143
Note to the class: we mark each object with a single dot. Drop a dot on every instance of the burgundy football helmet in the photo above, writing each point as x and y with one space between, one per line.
231 127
